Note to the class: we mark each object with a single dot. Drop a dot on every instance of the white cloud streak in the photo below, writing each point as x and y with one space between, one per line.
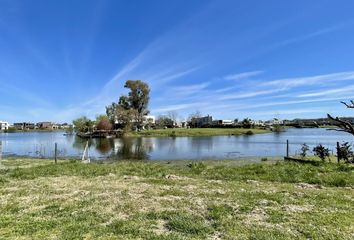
242 76
312 80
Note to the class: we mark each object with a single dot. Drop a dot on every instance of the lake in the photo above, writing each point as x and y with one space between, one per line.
41 144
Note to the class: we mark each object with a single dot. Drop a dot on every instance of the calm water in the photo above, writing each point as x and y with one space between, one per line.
41 144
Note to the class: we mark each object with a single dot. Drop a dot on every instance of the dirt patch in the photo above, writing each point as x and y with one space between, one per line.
307 185
297 208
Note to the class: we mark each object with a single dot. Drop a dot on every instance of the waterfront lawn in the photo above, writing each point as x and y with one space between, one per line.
190 132
179 200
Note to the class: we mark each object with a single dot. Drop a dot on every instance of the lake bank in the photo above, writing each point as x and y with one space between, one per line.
197 132
156 200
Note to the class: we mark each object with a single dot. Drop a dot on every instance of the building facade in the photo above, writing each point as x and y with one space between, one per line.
24 126
4 125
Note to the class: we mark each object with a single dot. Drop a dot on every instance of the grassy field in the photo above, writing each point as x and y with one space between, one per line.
179 200
190 132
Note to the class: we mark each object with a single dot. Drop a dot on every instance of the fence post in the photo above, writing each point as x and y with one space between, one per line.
55 152
287 148
338 152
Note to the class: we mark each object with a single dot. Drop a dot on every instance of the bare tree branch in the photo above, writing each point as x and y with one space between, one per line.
344 126
347 105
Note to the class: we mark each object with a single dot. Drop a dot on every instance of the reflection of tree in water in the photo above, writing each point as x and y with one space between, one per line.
120 148
80 143
104 145
202 143
132 148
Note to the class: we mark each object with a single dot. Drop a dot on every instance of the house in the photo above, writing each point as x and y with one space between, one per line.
149 119
4 125
24 126
201 121
257 123
46 125
223 122
274 121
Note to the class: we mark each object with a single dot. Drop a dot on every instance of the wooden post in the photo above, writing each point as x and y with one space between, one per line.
338 152
287 147
55 152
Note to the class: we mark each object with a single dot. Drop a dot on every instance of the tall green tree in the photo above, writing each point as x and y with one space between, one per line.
83 124
131 109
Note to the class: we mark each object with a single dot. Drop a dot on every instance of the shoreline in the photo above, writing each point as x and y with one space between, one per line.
197 132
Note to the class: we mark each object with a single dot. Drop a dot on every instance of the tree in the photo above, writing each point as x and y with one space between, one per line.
164 121
246 123
138 99
83 124
173 116
344 126
111 112
103 123
130 109
196 114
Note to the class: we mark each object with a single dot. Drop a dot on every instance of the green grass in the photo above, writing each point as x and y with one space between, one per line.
178 200
190 132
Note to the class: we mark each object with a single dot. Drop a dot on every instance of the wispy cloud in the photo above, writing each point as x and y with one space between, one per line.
347 89
312 80
250 94
313 34
242 76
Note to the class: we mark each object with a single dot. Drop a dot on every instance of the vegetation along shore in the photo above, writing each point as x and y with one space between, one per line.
176 200
195 132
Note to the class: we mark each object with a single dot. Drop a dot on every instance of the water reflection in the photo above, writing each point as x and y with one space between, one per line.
120 148
41 144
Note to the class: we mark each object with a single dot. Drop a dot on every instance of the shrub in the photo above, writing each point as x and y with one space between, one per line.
304 149
321 152
345 152
249 132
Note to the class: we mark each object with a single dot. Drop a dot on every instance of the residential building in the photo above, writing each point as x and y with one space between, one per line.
257 122
201 121
24 126
274 121
47 125
149 119
4 125
223 122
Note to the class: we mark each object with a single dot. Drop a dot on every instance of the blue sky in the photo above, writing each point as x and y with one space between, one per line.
228 58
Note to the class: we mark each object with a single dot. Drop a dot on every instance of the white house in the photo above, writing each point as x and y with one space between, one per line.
274 121
149 119
4 125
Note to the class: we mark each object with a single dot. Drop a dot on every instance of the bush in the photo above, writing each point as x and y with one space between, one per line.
345 152
321 152
304 149
249 132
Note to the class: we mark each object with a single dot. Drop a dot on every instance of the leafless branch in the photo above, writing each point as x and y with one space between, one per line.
345 126
351 105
